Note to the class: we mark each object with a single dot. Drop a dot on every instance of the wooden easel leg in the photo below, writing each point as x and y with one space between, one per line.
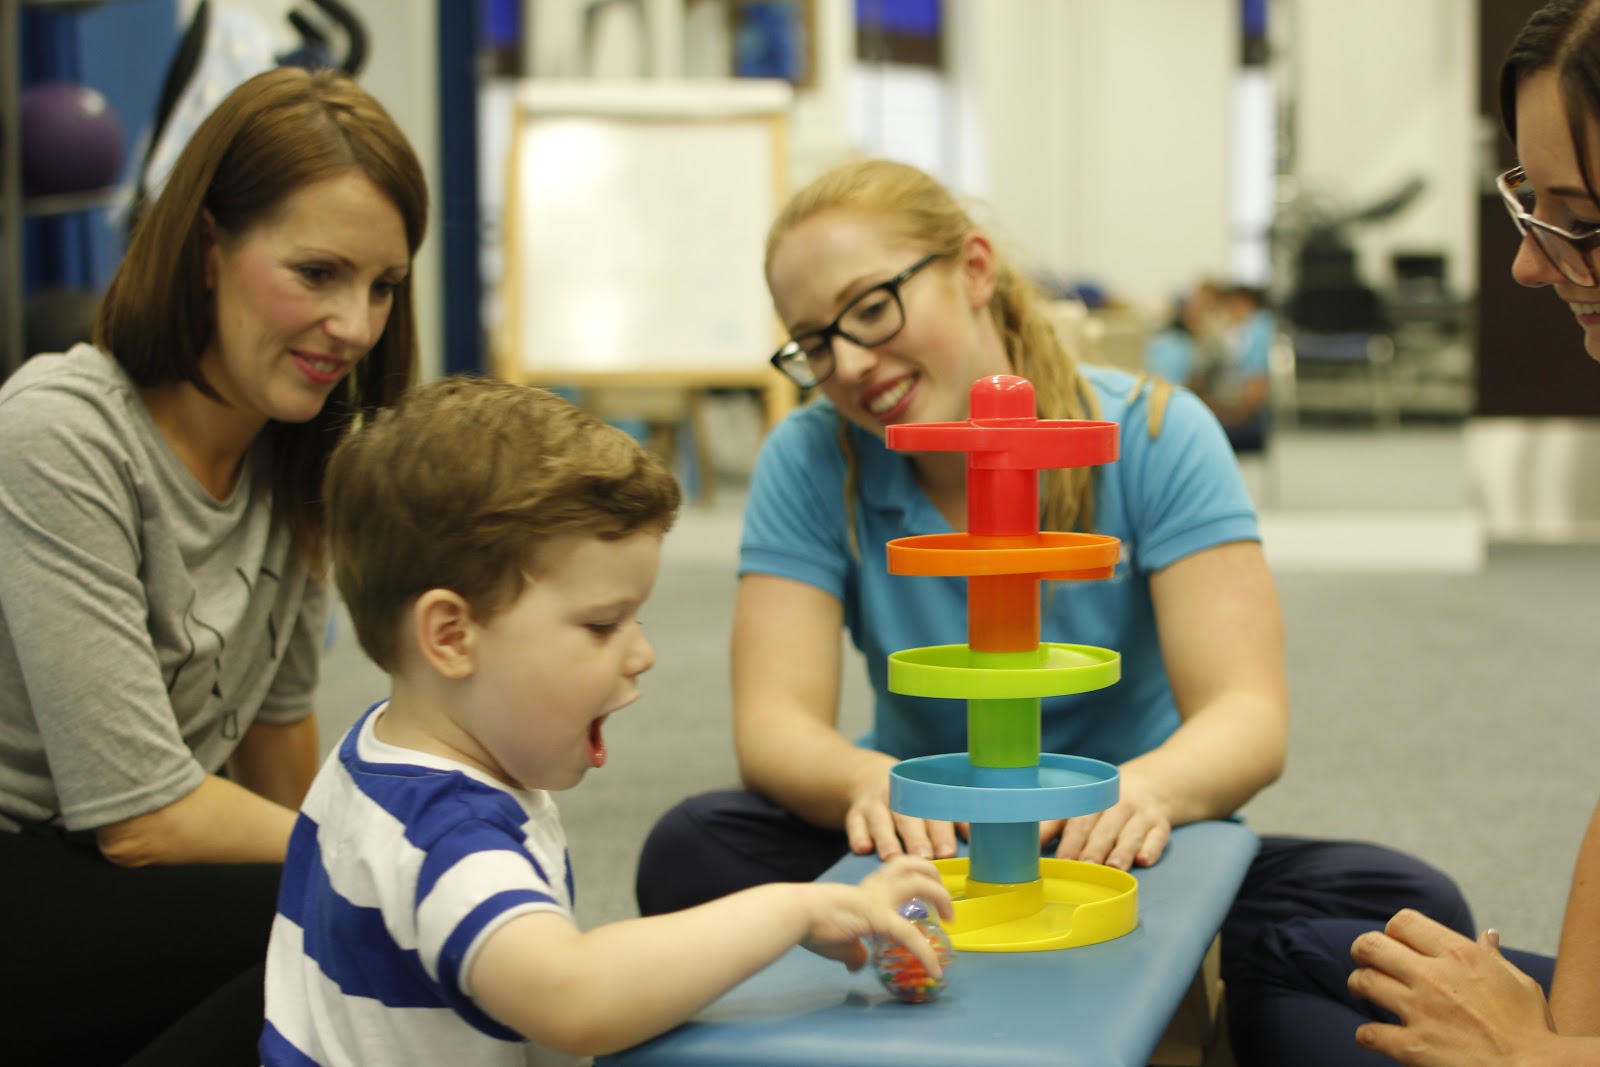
778 397
704 467
1197 1035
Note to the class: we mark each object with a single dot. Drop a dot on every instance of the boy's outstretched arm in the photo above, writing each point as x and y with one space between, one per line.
615 986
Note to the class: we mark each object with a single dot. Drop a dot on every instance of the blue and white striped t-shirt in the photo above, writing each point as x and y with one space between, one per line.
400 866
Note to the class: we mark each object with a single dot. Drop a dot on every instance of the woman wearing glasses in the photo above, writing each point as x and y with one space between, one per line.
897 302
1420 993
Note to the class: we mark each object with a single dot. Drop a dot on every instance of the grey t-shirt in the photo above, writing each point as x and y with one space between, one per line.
144 624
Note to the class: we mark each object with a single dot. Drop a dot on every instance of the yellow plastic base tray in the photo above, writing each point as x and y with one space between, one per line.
1072 904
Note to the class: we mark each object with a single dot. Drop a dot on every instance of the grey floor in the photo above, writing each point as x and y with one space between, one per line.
1443 707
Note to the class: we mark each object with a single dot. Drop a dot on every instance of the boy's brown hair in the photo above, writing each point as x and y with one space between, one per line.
462 485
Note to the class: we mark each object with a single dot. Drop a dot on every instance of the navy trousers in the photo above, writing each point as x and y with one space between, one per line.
1288 1001
718 843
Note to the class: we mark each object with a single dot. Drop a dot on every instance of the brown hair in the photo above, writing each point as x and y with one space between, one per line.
1564 37
462 484
914 207
273 135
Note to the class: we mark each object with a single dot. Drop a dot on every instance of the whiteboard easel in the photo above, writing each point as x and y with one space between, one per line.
636 215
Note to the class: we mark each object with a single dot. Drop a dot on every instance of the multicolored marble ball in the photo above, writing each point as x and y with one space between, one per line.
901 973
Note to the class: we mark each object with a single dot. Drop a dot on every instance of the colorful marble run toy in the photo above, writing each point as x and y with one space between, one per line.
1009 899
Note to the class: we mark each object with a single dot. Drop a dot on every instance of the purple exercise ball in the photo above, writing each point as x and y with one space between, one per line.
71 139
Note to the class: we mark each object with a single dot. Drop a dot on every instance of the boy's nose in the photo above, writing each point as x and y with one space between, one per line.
641 658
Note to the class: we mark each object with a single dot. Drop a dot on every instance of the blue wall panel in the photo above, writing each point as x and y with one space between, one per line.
122 49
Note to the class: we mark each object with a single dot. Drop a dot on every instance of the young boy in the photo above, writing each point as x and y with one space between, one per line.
494 545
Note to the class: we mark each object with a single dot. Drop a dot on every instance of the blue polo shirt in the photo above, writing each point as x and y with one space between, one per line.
1164 499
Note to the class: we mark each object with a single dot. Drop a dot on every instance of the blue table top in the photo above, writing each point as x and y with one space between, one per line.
1101 1005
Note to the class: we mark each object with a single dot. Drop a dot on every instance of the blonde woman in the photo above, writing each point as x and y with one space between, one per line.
896 302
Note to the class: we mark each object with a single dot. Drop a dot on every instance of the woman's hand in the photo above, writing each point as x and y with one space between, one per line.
1459 1001
1135 830
871 826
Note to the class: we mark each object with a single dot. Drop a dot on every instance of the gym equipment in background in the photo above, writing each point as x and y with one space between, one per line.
71 140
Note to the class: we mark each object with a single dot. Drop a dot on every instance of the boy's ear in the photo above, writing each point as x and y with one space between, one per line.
445 633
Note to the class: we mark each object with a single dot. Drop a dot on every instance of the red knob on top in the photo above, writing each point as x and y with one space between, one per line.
1002 396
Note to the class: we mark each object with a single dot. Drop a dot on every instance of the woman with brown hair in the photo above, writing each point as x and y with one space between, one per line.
162 601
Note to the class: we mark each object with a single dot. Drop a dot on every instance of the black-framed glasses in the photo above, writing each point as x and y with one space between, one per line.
872 318
1567 251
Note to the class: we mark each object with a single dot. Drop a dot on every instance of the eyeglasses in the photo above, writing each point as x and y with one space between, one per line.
871 319
1567 251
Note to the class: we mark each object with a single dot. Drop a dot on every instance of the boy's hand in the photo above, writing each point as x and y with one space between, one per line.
841 915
